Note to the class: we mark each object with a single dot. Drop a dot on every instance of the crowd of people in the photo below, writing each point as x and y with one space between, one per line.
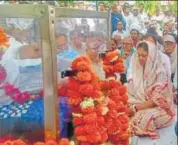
147 44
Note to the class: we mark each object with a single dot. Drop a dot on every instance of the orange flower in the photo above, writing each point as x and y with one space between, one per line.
84 76
86 89
113 92
82 138
119 67
73 94
81 63
94 137
104 137
108 68
90 118
8 143
64 141
74 97
74 101
18 142
96 94
39 143
122 90
77 120
87 110
51 142
90 128
4 40
111 55
80 130
73 84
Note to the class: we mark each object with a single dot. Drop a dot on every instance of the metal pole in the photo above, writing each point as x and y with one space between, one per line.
97 5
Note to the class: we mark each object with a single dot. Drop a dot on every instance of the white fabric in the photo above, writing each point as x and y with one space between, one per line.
20 23
173 60
136 20
158 18
12 51
128 20
169 38
122 34
165 59
175 80
135 26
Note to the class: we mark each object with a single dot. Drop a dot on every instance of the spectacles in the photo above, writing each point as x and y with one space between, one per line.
168 43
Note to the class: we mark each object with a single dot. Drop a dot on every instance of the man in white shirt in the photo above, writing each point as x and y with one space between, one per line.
142 14
135 18
119 30
127 16
158 17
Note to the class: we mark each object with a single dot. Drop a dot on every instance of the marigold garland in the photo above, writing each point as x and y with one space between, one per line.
63 141
87 102
116 119
4 40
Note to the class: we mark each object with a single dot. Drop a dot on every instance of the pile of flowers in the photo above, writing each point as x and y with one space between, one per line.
4 42
117 120
63 141
88 104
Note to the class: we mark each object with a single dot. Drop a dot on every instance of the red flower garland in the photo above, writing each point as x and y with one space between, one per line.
4 40
86 100
116 119
63 141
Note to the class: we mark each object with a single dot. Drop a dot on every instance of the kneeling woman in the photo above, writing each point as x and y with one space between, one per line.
150 92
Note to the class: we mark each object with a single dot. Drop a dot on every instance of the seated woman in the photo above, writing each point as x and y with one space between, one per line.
165 59
150 92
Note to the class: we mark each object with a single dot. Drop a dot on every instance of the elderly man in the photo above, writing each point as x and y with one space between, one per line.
169 27
170 48
126 52
135 30
120 30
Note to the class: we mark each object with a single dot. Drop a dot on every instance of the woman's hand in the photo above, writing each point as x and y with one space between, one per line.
131 112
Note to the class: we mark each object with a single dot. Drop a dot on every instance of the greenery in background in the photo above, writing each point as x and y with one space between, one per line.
150 6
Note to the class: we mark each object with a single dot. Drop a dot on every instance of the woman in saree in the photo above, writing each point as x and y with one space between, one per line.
150 92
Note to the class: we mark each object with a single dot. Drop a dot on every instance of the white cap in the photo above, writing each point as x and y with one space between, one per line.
169 38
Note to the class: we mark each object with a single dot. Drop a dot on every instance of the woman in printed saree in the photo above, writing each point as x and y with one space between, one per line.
150 92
